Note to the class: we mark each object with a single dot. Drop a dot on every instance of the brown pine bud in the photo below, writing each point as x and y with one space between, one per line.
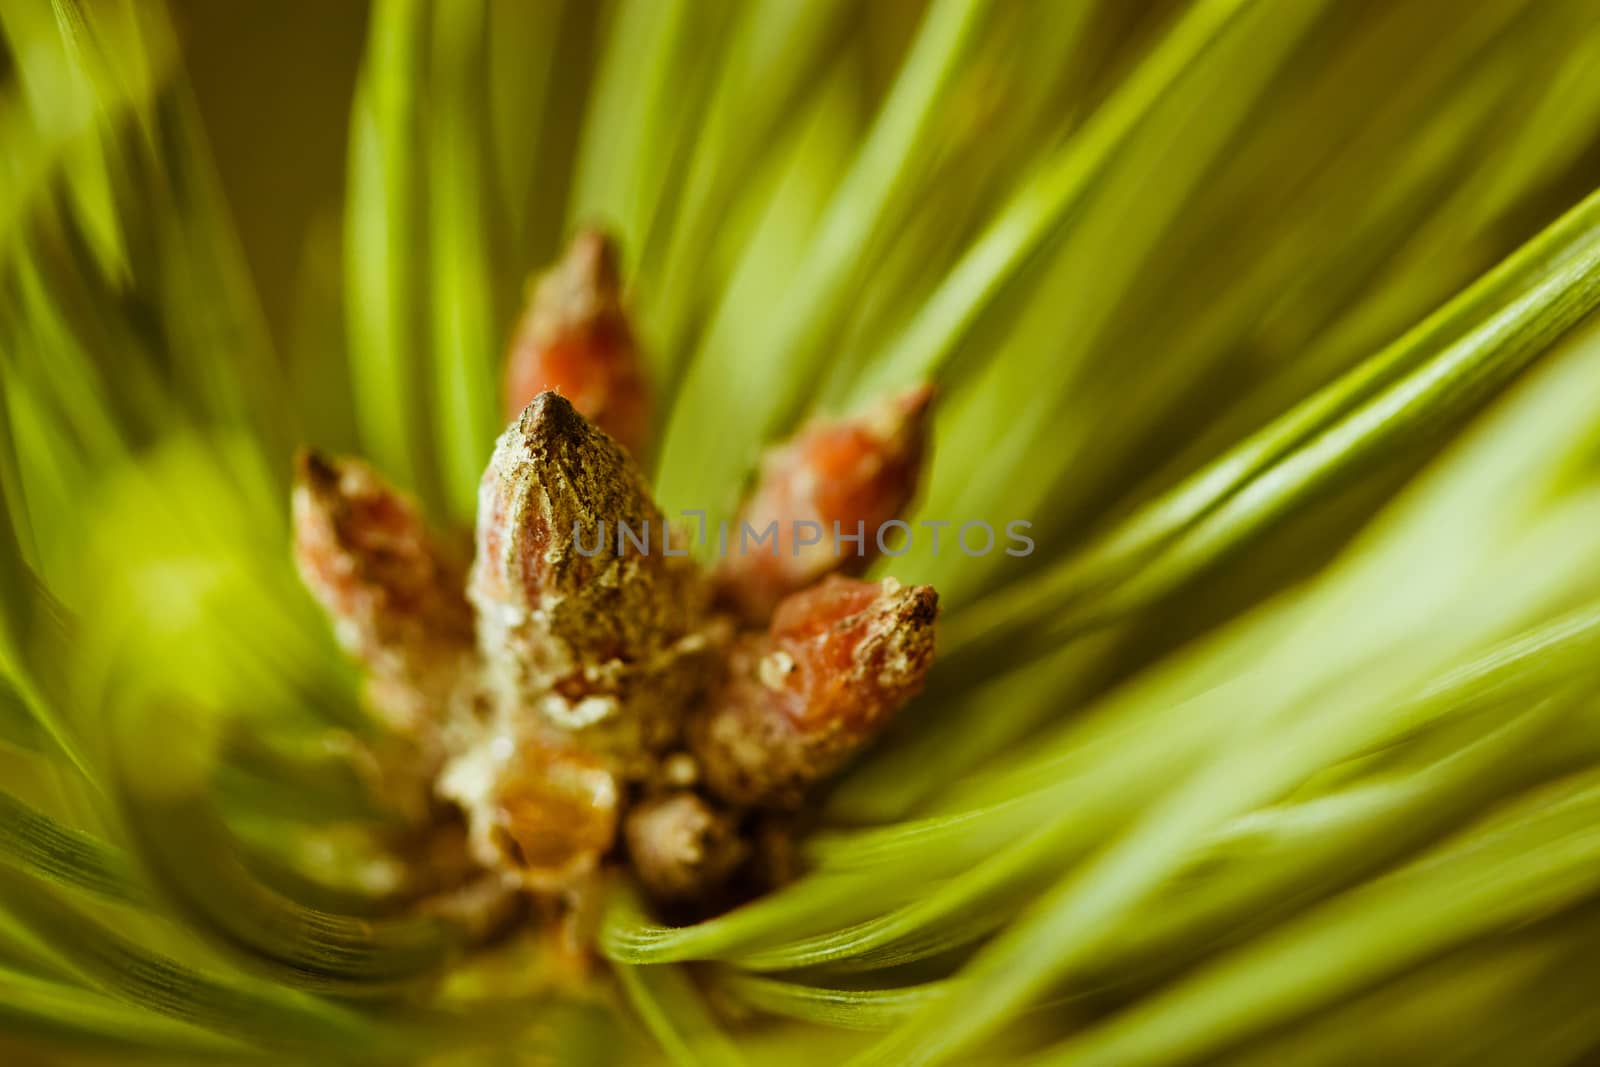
837 662
848 477
579 627
393 591
574 338
682 848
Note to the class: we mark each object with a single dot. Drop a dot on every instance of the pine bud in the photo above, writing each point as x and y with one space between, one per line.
837 662
682 848
848 477
578 628
574 338
394 593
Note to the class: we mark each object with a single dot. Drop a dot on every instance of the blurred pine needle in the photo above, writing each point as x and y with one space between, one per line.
1272 316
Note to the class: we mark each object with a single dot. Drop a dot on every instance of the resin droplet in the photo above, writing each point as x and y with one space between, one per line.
857 473
575 339
549 817
837 662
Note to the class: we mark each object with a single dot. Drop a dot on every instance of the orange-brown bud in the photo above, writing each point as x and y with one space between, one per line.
849 476
574 338
682 848
837 662
393 591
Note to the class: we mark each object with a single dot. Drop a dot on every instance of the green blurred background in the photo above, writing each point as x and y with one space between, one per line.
273 79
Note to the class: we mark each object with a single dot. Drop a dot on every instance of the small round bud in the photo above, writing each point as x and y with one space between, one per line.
682 848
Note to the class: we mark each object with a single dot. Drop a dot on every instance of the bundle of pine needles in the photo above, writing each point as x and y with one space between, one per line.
1268 315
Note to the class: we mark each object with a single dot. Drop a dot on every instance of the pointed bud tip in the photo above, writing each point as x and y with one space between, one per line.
916 605
902 421
331 480
907 634
551 423
549 415
915 402
318 478
593 257
311 467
